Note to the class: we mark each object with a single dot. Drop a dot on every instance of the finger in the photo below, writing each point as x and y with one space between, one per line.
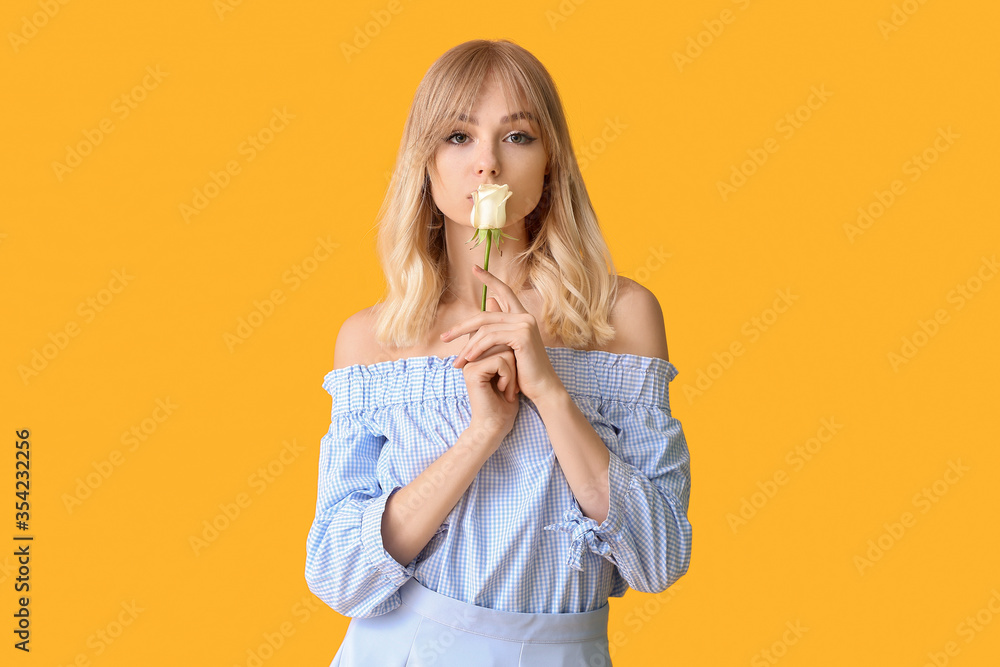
500 287
474 323
494 338
512 388
483 319
506 368
503 365
490 342
504 373
478 352
489 367
484 359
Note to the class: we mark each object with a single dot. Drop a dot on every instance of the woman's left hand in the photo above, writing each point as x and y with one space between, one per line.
513 327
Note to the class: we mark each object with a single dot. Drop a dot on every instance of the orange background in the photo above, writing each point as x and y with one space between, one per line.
837 377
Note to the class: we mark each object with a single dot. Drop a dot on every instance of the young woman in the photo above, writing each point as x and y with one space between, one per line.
490 478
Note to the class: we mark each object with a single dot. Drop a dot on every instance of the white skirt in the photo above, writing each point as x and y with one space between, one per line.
432 629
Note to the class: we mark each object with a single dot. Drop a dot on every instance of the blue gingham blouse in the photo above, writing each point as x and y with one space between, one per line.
516 540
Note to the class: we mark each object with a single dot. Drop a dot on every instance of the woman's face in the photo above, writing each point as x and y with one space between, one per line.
490 148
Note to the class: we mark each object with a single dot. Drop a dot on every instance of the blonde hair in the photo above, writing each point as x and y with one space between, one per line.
566 259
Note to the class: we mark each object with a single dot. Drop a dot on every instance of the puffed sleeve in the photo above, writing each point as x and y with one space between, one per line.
346 565
646 533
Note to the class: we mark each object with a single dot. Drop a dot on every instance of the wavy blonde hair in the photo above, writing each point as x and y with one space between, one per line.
567 260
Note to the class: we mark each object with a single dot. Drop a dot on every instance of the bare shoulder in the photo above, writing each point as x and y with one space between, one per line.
638 322
356 340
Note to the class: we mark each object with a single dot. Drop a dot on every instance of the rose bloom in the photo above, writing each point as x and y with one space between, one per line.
489 206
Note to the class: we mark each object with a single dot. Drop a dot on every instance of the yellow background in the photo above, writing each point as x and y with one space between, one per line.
661 133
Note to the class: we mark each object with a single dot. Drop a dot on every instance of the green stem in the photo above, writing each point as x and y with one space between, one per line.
486 262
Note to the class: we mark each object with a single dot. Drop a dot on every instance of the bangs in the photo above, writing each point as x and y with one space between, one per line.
453 89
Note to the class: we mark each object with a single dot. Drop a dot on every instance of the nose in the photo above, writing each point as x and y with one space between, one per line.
487 161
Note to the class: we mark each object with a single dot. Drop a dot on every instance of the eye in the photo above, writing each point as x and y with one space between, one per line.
520 138
457 138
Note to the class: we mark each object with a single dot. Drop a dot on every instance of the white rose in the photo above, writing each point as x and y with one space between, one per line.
489 206
489 215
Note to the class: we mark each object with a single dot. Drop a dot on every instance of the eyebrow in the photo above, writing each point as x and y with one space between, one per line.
526 115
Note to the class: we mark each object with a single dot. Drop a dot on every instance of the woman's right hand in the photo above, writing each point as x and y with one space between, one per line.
493 393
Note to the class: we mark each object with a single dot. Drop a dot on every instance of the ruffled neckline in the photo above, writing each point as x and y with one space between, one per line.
391 365
596 374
